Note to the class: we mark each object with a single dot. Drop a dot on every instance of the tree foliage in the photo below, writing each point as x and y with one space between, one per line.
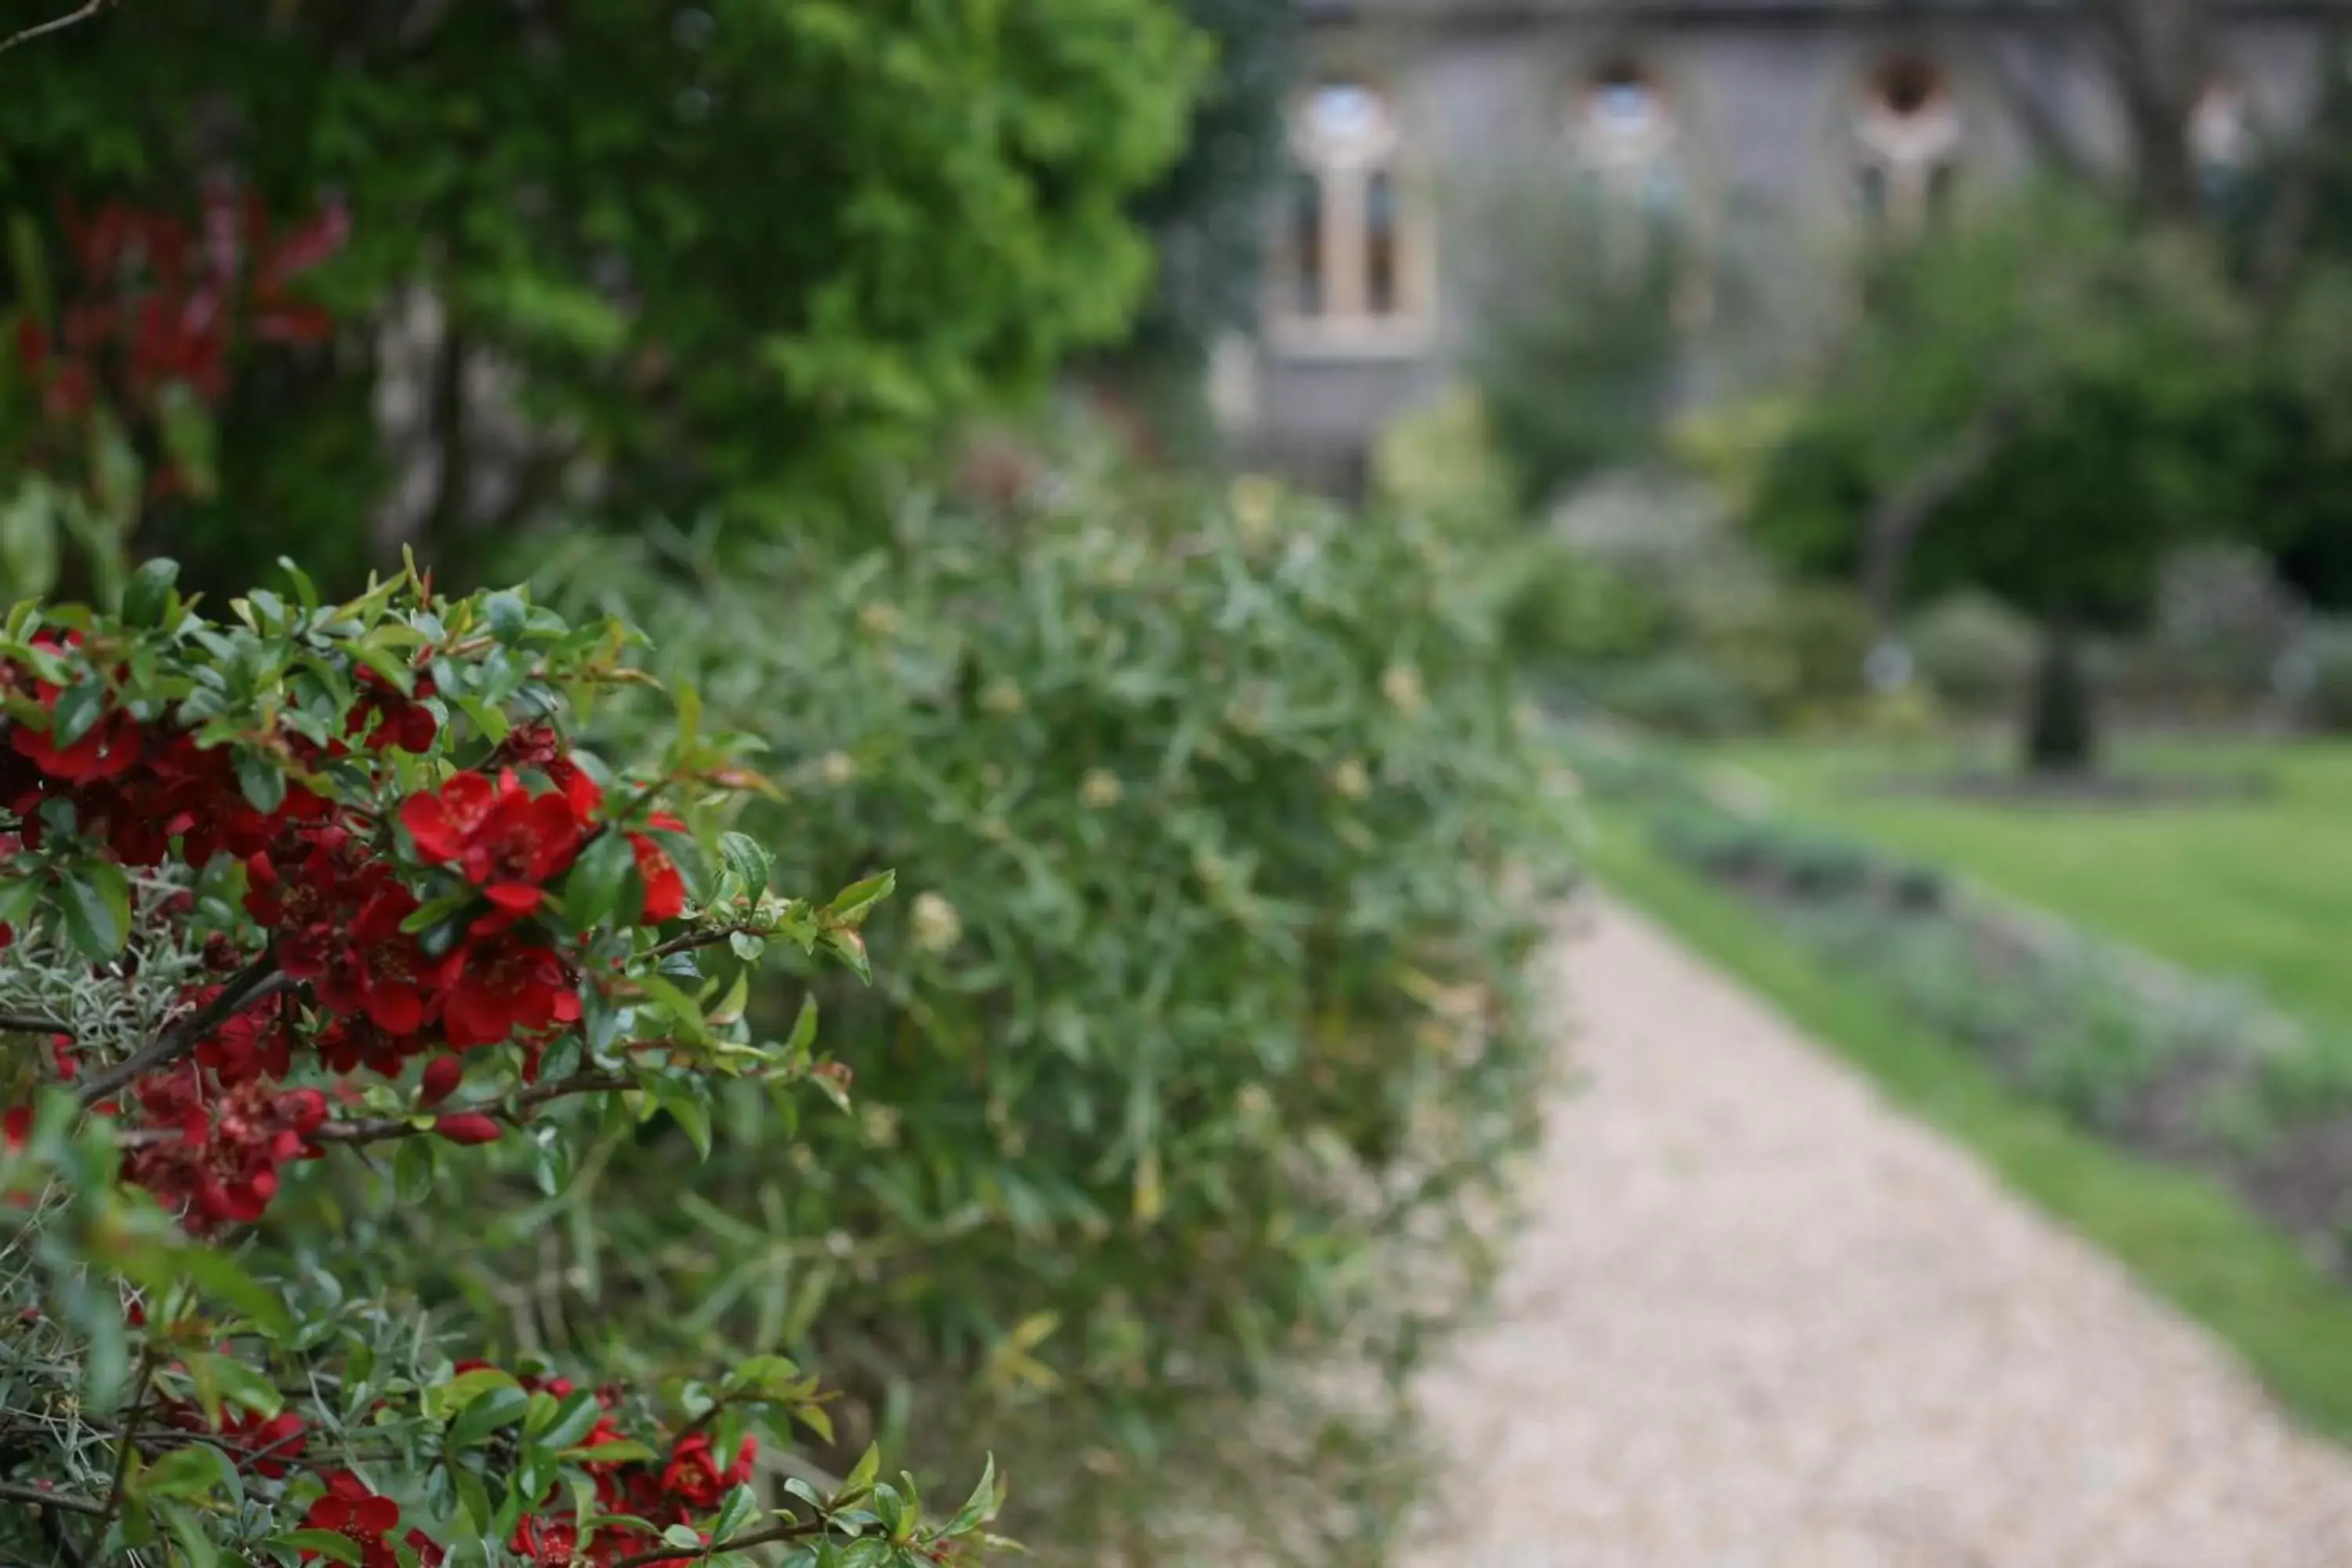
627 255
2039 405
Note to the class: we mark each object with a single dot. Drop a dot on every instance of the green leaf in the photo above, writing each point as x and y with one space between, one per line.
850 948
80 707
413 1169
95 901
219 1275
18 898
741 1506
985 1499
304 589
574 1419
261 780
599 882
432 911
850 908
194 1472
499 1408
386 662
747 858
28 542
803 1035
188 1531
147 597
332 1545
462 1390
692 1115
507 615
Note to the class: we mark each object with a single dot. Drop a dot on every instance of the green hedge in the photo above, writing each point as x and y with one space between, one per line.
1200 1033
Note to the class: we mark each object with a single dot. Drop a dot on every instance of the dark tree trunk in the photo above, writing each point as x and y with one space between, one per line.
2061 729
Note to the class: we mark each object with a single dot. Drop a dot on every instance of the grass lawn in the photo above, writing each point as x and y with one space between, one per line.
2184 1236
2258 889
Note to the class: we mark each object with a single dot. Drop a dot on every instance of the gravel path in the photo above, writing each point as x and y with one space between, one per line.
1761 1321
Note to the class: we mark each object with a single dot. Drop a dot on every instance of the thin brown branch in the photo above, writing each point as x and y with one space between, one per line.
34 1024
251 985
88 9
695 939
384 1128
1896 522
799 1530
18 1491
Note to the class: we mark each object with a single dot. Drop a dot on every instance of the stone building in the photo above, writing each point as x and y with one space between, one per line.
1775 129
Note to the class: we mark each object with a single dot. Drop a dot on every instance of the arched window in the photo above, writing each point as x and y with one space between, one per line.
1906 131
1352 264
1624 130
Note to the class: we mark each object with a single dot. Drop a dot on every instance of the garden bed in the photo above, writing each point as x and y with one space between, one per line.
2152 1058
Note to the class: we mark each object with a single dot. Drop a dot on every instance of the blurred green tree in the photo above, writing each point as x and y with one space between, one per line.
2066 397
618 255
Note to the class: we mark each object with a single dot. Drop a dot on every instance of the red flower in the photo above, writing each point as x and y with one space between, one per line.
215 1150
388 718
267 1445
502 985
539 746
384 973
15 1126
109 750
349 1043
351 1510
693 1477
255 1044
501 837
665 891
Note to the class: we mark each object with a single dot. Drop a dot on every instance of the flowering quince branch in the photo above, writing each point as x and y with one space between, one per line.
327 845
254 984
799 1530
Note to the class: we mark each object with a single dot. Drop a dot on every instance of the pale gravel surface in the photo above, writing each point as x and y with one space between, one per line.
1761 1320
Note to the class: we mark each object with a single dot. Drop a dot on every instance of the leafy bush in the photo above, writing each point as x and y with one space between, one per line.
1796 649
1441 461
622 255
1676 693
1973 651
1228 853
328 879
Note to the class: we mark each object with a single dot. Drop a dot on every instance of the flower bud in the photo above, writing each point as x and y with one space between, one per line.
470 1127
441 1077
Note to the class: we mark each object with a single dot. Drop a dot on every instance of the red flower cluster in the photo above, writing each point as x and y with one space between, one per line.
352 1509
224 1143
267 1445
324 883
155 301
689 1482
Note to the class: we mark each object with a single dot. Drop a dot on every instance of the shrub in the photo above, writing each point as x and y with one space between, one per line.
724 255
1676 694
1973 651
328 879
1228 854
